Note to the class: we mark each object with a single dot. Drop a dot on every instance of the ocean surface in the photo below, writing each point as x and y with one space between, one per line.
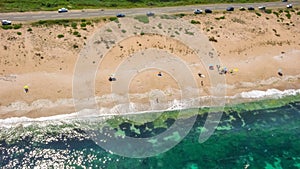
255 135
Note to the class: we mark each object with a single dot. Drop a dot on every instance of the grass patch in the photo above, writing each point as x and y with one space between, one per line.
268 11
222 17
168 16
276 13
6 27
60 36
238 20
195 22
83 25
17 26
113 18
142 18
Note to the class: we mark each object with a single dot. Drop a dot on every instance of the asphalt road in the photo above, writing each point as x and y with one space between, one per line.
35 16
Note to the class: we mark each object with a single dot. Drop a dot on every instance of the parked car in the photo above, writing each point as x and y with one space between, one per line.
289 6
150 14
261 7
120 15
6 22
230 8
284 0
198 11
250 8
62 10
208 10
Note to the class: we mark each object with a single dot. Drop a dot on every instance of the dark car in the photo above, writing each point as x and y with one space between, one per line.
208 11
250 8
230 8
120 15
150 13
284 0
198 11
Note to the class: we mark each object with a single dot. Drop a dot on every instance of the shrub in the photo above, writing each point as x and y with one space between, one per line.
288 15
195 22
29 29
17 26
108 30
7 27
142 33
83 25
276 13
113 18
123 31
89 23
74 25
76 33
222 17
268 11
298 13
19 33
258 14
60 36
75 46
212 39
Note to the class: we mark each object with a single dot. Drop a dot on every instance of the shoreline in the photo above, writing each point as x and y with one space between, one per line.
251 97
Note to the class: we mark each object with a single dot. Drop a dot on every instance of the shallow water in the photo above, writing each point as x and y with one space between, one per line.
264 134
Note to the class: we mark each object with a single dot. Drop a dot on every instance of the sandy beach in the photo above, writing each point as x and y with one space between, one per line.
257 46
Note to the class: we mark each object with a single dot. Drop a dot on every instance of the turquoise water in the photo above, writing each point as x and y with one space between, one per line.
262 134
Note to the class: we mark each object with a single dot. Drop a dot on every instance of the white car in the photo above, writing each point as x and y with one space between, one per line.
289 6
61 10
6 22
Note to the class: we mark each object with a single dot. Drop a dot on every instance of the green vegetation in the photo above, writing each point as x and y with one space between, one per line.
17 26
298 13
113 18
123 31
168 16
29 29
14 26
19 33
258 14
276 13
222 17
60 36
288 15
142 18
6 27
83 25
76 33
108 30
238 20
268 11
195 22
38 5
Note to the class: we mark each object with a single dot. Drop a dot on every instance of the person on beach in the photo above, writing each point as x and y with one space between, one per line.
26 89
